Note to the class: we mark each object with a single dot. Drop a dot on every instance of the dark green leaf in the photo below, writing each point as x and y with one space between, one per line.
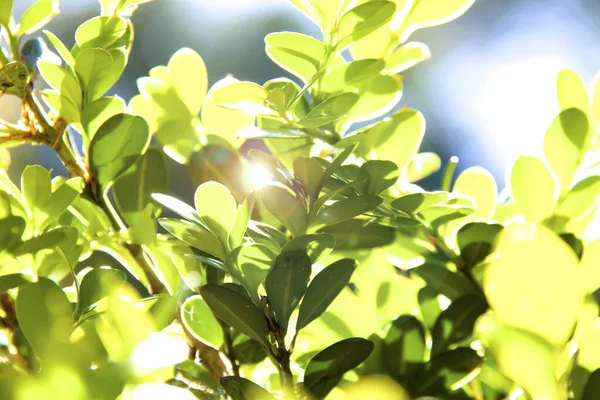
286 283
11 281
448 371
97 285
345 209
323 290
325 370
11 229
236 311
317 245
456 322
404 346
359 234
244 389
592 388
475 241
117 145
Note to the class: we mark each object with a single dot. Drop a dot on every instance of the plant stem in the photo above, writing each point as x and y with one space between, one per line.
449 173
228 347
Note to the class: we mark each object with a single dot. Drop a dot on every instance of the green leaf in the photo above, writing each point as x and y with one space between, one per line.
533 187
36 187
352 73
62 197
571 91
325 370
580 200
62 106
535 254
480 185
5 12
398 139
323 290
285 207
475 241
361 21
12 281
189 77
449 371
97 284
117 145
589 267
345 209
566 138
299 54
166 264
244 389
416 202
536 372
359 234
286 283
247 97
133 190
199 320
42 308
36 16
377 96
249 265
11 229
329 111
422 165
592 387
96 113
98 70
317 246
178 206
236 311
194 235
429 13
456 322
13 79
60 48
62 81
382 175
221 121
63 237
406 56
242 218
310 172
217 209
100 32
404 346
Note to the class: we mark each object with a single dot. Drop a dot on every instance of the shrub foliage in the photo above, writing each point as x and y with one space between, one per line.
310 266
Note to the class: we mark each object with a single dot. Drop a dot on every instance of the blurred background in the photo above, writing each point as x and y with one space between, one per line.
488 92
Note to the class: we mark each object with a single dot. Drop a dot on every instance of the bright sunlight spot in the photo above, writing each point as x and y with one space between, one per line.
160 350
258 176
